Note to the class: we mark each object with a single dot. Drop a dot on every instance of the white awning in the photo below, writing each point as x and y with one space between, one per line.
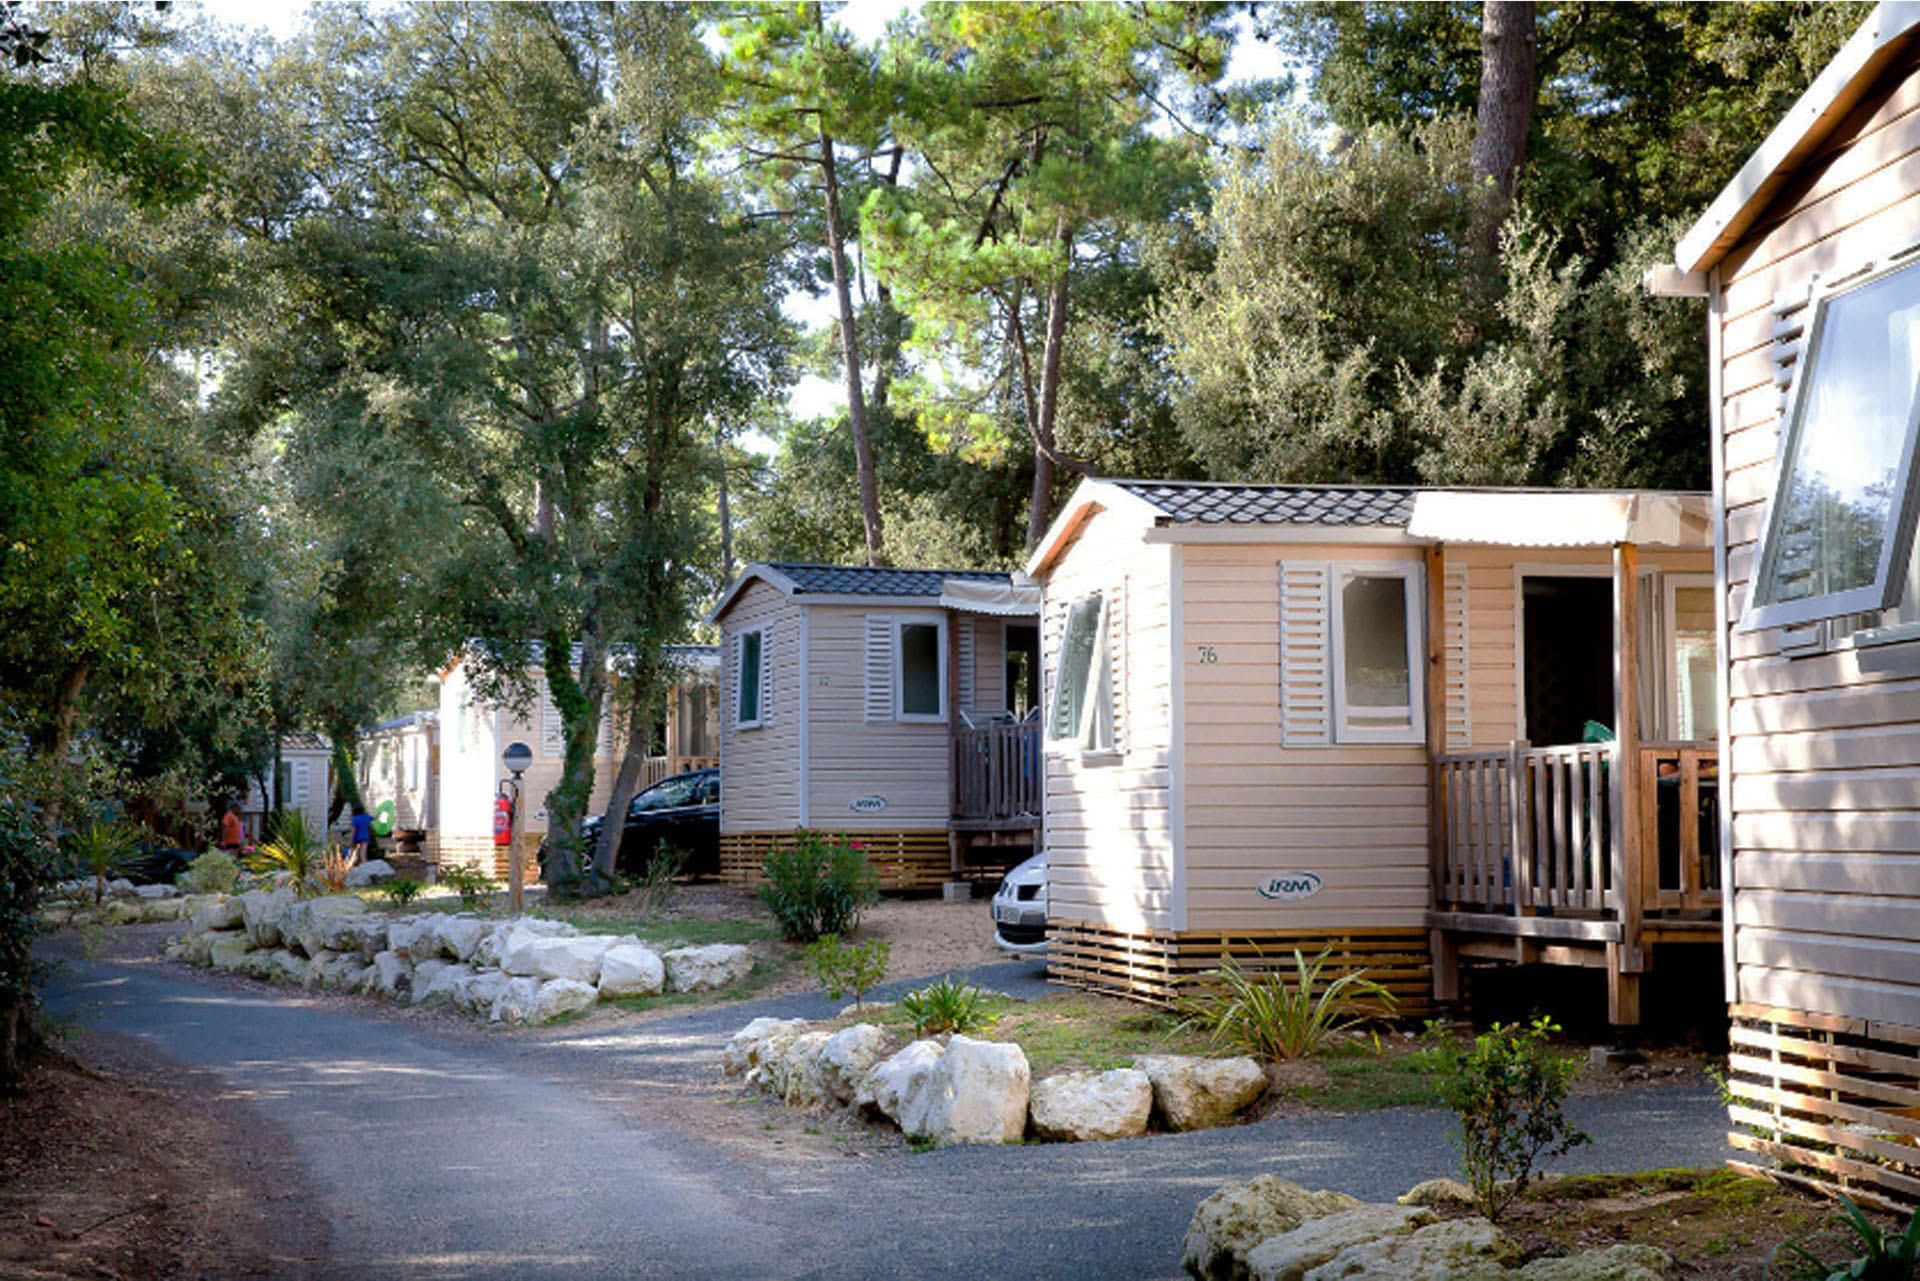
1537 518
1017 599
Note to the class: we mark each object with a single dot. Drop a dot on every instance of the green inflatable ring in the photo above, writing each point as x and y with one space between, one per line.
383 818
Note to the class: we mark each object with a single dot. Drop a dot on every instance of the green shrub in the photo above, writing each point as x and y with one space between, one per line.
1508 1093
1882 1257
656 885
1268 1017
470 883
214 872
817 886
294 849
847 968
402 890
26 868
103 850
948 1005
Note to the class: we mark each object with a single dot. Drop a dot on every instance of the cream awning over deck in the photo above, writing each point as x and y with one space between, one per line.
1543 518
1010 600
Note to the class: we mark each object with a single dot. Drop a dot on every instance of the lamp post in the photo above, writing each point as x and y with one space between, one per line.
516 758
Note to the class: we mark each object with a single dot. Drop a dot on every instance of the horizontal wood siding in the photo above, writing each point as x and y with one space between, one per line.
1108 826
1355 815
1824 759
469 759
853 757
760 768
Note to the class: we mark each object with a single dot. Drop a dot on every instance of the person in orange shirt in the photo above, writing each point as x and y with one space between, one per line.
232 834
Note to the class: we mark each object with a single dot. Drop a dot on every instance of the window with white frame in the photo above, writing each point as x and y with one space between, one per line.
1839 527
750 663
920 669
1351 668
1081 712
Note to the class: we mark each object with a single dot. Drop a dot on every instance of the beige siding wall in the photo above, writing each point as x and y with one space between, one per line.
1825 749
398 765
989 666
1356 815
1108 828
760 768
852 757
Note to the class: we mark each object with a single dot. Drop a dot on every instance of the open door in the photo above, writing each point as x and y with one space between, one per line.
1566 629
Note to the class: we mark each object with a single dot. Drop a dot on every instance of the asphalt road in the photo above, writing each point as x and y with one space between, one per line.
466 1157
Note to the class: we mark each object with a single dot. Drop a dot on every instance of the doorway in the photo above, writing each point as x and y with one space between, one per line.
1566 629
1023 669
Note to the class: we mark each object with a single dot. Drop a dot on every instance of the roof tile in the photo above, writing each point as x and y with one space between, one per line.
876 580
1195 502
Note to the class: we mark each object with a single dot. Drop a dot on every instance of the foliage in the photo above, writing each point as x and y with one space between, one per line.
103 849
401 890
817 885
1882 1257
331 875
26 868
1507 1092
213 872
947 1005
1270 1018
847 968
295 849
470 883
655 885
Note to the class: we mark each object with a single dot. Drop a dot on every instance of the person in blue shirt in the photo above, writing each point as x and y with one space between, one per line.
362 833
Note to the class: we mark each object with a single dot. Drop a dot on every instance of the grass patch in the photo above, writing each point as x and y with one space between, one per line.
1073 1031
1355 1076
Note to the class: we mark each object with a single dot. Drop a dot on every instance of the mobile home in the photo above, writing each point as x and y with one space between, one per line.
1808 264
1354 718
398 769
895 706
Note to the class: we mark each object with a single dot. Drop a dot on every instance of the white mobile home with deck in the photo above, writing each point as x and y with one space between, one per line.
1810 265
892 705
1353 718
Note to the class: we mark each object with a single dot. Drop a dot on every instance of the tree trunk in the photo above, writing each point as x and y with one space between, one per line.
1044 457
1508 45
850 360
626 782
892 323
726 513
59 740
346 788
579 699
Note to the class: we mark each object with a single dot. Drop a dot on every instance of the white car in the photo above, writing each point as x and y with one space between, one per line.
1020 908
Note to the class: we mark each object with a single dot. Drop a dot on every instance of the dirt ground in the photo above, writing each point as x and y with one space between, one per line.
114 1163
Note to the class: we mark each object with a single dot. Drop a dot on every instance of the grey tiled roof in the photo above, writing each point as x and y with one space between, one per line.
1195 502
870 580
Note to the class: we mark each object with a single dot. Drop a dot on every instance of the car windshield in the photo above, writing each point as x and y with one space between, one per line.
670 794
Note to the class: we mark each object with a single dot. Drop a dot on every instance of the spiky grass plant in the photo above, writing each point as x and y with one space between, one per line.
104 850
1262 1013
293 850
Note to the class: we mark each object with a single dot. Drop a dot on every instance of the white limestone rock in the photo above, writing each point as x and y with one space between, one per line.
371 872
477 990
1291 1255
1086 1106
261 913
423 975
393 974
1615 1263
574 959
441 984
794 1077
286 966
229 951
224 913
412 937
157 891
504 935
459 936
706 969
988 1087
1192 1093
558 997
364 933
846 1058
120 886
515 1000
628 969
197 949
1229 1224
1456 1250
304 924
744 1050
899 1077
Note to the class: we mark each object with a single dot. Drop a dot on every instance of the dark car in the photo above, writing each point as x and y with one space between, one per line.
683 812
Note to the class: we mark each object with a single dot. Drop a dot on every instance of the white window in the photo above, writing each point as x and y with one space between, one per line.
1351 660
1839 528
1693 700
750 671
920 668
1082 709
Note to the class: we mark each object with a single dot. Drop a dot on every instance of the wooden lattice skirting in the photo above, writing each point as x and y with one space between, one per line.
1156 966
905 860
1827 1103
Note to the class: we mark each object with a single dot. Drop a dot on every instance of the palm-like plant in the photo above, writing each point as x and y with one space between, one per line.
293 850
334 866
104 849
1265 1015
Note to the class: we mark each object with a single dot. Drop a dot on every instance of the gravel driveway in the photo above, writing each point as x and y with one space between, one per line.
580 1154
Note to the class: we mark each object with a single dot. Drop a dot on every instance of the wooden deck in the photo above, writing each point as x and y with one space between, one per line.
1554 855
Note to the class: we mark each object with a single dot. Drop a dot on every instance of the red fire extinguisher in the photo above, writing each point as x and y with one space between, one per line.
502 820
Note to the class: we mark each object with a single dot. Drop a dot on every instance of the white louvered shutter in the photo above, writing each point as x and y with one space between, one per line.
1306 655
1117 661
553 740
879 694
1790 317
766 675
963 644
1459 661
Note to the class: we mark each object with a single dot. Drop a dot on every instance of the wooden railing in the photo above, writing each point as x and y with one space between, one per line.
996 773
655 768
1531 829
